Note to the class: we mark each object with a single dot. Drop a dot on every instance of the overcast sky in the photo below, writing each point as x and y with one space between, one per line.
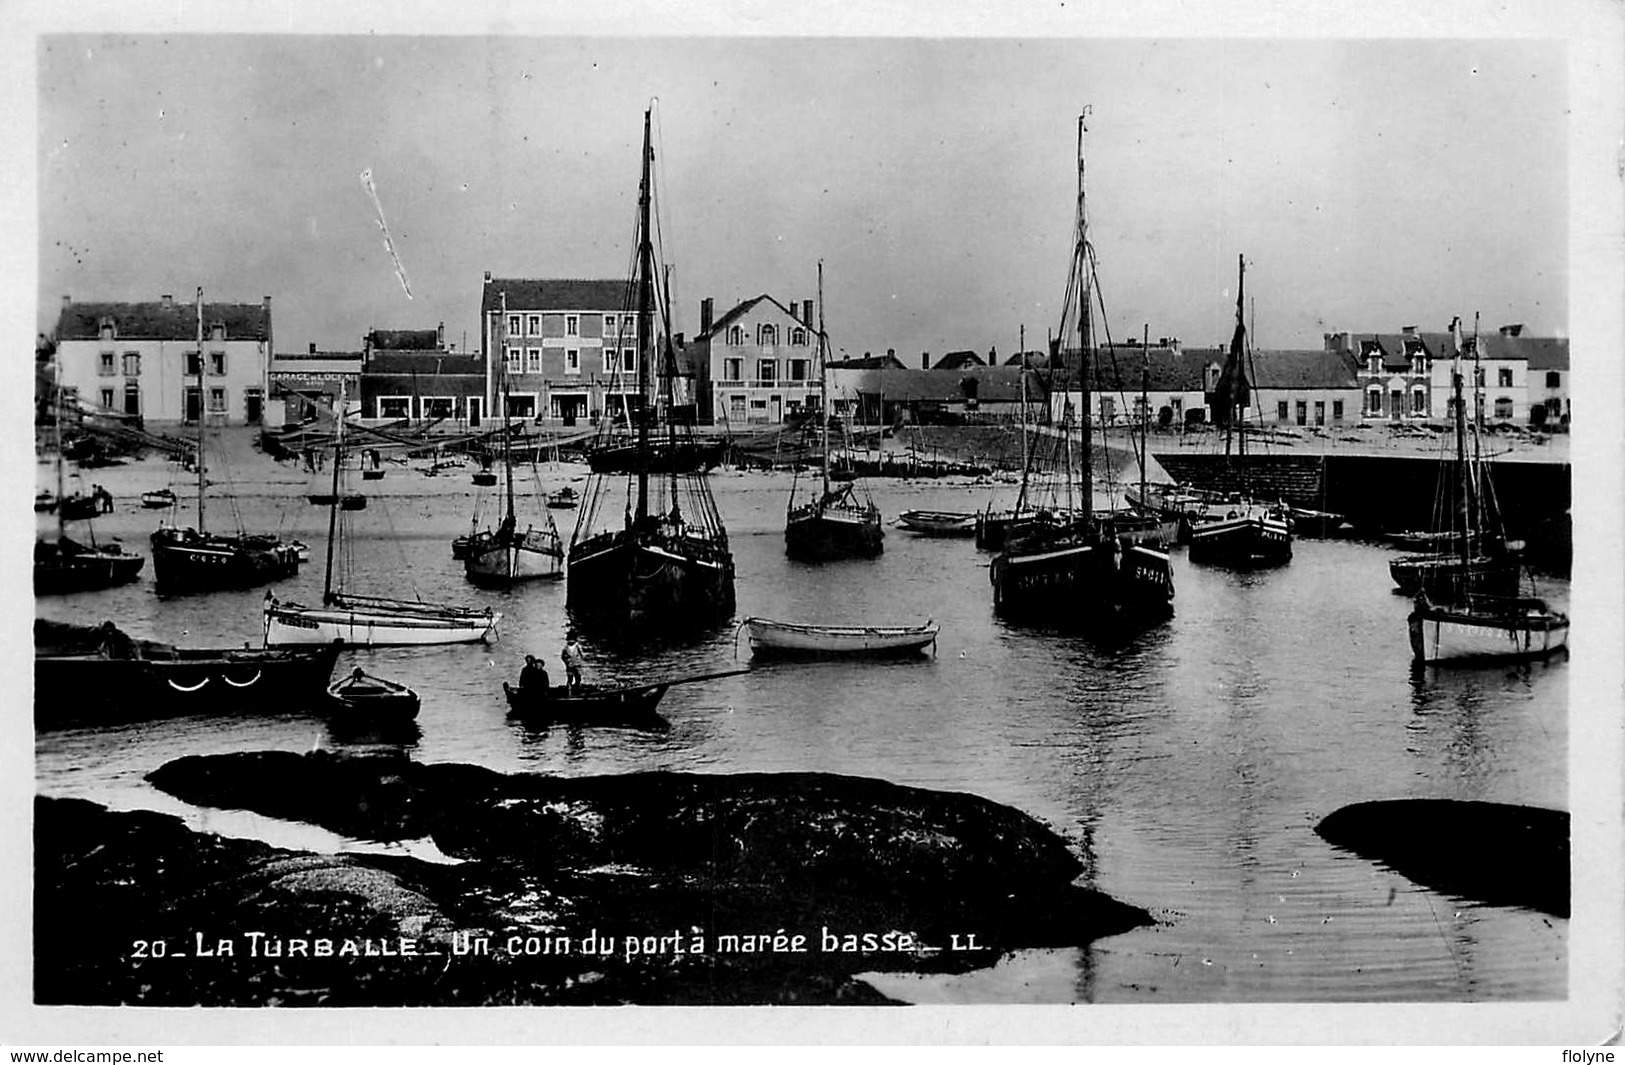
1370 184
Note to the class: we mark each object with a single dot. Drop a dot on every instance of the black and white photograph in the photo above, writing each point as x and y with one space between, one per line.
898 517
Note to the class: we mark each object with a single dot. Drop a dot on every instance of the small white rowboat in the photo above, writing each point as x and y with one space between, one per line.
793 639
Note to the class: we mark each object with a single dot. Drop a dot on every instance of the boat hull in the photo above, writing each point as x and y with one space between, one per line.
162 682
685 457
183 561
393 625
1081 584
629 580
826 536
938 523
770 639
1446 579
613 708
1245 540
496 562
1442 635
59 572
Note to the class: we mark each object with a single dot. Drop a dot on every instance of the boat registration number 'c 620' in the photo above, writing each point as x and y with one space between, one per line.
299 623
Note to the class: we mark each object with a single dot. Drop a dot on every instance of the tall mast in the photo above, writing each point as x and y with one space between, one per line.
1021 497
1085 335
645 336
1477 522
668 381
1461 445
333 511
823 385
56 419
1145 407
202 408
507 429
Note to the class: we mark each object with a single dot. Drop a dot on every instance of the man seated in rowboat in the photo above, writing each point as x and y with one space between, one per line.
533 678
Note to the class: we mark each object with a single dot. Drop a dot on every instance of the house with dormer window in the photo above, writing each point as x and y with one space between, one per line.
142 360
1394 372
757 364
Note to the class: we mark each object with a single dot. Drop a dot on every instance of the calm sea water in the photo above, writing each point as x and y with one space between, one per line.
1188 764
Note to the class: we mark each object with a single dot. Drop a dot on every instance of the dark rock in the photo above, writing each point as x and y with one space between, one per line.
1489 852
648 857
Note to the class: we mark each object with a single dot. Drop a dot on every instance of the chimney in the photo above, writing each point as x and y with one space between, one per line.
806 311
1409 330
925 360
1516 329
440 336
487 277
705 314
167 299
313 347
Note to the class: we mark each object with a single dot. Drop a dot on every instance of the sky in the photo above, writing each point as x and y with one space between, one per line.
1370 184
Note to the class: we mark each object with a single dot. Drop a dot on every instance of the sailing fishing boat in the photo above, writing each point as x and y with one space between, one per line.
66 565
1485 564
195 560
994 526
1234 528
506 556
839 522
666 565
371 621
1080 571
1480 624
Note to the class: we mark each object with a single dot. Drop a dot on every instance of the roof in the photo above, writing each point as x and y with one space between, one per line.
163 321
1302 369
1034 359
405 339
869 362
1545 353
1170 369
958 360
563 294
739 310
993 384
425 362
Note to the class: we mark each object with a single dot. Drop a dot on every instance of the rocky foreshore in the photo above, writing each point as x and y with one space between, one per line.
650 888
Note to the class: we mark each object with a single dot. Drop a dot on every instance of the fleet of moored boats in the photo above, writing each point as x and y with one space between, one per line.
650 553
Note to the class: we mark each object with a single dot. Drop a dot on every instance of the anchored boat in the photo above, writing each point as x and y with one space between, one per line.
797 639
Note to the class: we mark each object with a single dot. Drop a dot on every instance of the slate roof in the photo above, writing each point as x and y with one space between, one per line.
158 321
870 362
427 363
740 310
959 360
1302 369
566 294
1184 370
994 384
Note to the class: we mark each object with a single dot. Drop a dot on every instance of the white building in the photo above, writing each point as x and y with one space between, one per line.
142 359
757 363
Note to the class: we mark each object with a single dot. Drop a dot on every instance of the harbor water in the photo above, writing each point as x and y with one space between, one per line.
1187 764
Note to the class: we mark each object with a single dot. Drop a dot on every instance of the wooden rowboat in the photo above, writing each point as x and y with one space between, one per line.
794 639
158 500
628 707
361 698
938 522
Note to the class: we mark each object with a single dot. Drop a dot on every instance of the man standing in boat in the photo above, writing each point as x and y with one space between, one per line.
572 661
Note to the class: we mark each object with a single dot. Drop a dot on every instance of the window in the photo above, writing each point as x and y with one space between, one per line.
513 325
798 369
572 325
512 363
629 360
194 364
217 334
736 406
533 325
132 398
767 370
1280 411
1320 412
1478 377
394 406
733 369
217 400
609 325
522 406
1108 410
132 364
798 337
572 360
533 360
1554 379
1140 409
1303 412
1373 401
438 406
1503 406
107 397
736 336
1419 401
1337 410
767 335
105 368
629 325
1503 377
217 363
